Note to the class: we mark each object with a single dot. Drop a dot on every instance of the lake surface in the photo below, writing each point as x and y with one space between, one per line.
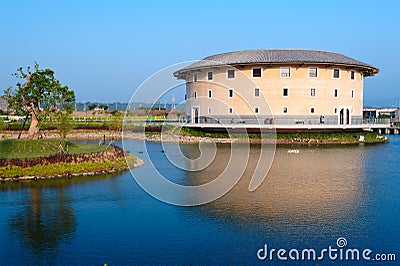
308 200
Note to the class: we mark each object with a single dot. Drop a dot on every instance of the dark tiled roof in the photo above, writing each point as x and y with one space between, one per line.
280 56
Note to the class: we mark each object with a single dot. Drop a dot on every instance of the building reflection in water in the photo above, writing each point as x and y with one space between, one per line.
317 185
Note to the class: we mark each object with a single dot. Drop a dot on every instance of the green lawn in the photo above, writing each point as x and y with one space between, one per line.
39 148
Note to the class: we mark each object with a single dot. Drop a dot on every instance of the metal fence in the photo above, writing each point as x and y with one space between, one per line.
288 121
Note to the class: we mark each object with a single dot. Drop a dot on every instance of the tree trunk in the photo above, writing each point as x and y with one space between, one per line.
33 132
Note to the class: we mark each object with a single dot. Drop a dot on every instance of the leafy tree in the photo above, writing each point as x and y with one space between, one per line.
39 94
116 120
103 106
62 121
92 106
115 113
2 124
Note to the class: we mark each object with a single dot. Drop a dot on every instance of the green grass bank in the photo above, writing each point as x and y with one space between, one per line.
33 159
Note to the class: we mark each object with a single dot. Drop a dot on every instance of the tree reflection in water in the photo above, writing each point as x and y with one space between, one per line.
44 221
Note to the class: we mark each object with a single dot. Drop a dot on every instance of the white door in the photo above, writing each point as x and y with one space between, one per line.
195 115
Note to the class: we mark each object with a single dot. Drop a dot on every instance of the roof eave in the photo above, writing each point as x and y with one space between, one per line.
366 69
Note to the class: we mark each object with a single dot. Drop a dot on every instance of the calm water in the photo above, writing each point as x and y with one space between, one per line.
307 201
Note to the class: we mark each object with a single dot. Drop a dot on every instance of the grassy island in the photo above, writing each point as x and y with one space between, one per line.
37 159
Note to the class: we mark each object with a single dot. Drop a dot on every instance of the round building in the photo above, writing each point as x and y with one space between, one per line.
282 87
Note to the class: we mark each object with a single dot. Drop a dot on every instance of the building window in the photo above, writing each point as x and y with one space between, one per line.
195 94
209 75
352 75
230 93
230 110
352 94
257 72
230 73
312 110
312 92
335 110
313 72
285 92
209 110
285 110
195 77
335 93
336 73
209 93
285 72
185 97
256 110
256 92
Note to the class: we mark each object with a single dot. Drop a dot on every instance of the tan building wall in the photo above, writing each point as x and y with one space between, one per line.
298 102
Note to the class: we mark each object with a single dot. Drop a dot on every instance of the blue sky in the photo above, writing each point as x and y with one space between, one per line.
105 49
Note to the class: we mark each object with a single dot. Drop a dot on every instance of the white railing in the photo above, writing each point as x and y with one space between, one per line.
289 121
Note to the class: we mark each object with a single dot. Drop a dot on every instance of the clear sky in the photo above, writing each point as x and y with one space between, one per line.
105 49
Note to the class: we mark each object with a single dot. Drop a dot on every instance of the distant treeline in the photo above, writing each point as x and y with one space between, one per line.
83 106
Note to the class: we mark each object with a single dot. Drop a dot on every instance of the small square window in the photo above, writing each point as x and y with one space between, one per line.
256 110
231 73
230 110
210 75
195 77
312 92
313 72
352 75
285 72
209 93
257 72
285 110
335 93
336 73
230 93
312 110
256 92
285 92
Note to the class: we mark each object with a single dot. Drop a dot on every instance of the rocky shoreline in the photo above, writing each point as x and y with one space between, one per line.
156 137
